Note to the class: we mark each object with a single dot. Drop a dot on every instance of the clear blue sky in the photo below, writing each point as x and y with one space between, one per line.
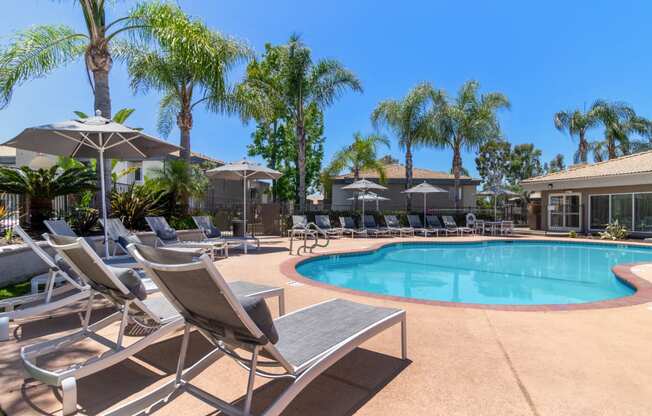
545 56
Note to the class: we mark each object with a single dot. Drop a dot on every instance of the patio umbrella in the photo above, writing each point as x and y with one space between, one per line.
496 191
92 138
369 196
245 170
363 186
424 188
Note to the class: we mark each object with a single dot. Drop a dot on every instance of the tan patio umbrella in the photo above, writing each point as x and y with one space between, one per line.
424 188
369 196
92 138
363 185
245 170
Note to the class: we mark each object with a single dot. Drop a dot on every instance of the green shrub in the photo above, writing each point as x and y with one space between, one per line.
138 202
83 219
614 231
572 234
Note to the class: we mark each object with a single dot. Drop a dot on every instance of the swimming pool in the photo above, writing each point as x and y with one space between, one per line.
492 273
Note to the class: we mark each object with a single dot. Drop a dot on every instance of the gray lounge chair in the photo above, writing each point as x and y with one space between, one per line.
373 229
212 233
166 236
433 223
324 223
298 346
60 290
394 226
348 227
130 294
417 226
449 223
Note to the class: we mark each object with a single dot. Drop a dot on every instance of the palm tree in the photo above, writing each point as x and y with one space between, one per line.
39 50
409 119
599 150
620 122
304 83
43 185
188 73
465 122
181 182
576 122
359 156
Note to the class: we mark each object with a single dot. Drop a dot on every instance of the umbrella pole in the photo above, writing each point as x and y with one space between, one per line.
424 208
103 186
364 226
495 208
244 191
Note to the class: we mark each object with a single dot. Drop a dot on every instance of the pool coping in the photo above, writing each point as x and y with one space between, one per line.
623 272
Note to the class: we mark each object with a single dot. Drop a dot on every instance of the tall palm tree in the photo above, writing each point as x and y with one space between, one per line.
359 156
409 119
39 50
577 122
620 122
304 83
465 122
188 73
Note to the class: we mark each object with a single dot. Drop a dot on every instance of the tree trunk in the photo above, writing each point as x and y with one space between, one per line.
408 175
301 163
184 122
611 147
457 172
583 147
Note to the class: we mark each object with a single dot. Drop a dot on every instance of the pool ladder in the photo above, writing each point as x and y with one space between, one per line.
310 231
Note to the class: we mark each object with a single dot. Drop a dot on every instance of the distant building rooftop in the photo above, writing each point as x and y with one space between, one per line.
397 171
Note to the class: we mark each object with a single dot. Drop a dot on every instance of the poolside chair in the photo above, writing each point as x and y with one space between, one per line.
507 227
166 236
324 223
211 232
298 346
348 227
434 224
60 290
449 222
418 228
373 229
479 227
125 289
394 226
470 220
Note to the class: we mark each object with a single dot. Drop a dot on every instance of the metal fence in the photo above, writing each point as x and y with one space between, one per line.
12 204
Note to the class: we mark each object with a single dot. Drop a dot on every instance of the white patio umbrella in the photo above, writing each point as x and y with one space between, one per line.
363 185
369 196
92 138
424 188
245 170
496 191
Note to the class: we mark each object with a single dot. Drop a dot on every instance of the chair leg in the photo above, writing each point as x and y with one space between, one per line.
182 354
69 396
404 339
89 310
123 323
250 382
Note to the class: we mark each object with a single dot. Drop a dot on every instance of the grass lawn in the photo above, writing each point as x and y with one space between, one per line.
17 289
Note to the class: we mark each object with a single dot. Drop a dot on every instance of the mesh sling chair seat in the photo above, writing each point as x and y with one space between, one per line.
212 233
373 229
61 290
434 223
449 222
348 227
417 226
394 226
131 296
307 342
166 236
324 223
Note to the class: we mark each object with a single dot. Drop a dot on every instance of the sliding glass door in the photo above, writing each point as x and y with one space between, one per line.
564 212
633 210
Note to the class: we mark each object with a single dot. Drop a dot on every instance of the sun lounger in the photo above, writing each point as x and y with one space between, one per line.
125 289
60 290
166 236
373 229
324 223
417 226
212 233
434 224
449 223
348 227
298 346
394 226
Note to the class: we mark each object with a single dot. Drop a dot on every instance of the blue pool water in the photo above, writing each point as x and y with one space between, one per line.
497 273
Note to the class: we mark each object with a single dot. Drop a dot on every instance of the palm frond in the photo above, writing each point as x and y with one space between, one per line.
169 109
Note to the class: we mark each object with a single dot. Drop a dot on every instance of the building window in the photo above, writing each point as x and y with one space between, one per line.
643 212
138 174
599 211
632 210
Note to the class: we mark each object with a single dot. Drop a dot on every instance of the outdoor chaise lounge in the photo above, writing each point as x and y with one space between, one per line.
298 346
124 288
212 233
373 229
348 227
433 223
394 226
166 236
60 290
324 224
449 223
417 226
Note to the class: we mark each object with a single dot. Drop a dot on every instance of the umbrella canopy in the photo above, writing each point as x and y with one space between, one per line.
363 185
315 197
369 196
245 170
93 138
496 191
424 188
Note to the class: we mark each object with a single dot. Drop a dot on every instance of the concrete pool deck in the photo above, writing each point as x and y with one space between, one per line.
462 361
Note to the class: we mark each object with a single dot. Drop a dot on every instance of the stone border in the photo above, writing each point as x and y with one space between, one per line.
623 272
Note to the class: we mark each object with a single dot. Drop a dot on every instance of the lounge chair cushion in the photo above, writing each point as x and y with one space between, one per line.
212 232
167 234
125 240
258 311
132 281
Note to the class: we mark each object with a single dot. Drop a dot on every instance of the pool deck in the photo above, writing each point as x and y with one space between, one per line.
463 361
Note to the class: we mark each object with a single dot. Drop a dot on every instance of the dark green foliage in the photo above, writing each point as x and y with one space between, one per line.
14 290
83 219
138 202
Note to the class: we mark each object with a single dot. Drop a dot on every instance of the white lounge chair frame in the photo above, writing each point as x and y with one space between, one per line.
300 376
397 230
352 231
207 246
233 241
